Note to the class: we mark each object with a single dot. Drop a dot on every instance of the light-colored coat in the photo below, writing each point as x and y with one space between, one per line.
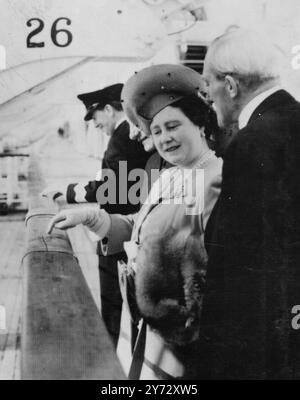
160 361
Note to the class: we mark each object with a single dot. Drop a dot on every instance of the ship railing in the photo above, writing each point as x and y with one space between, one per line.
63 334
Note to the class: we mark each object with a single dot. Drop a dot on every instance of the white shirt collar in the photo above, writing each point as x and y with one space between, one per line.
118 123
249 108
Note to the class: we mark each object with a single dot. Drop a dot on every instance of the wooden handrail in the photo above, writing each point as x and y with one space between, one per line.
63 335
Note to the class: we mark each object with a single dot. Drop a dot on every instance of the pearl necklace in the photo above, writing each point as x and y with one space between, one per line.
202 160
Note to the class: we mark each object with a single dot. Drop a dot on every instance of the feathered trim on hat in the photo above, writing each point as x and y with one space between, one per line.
153 88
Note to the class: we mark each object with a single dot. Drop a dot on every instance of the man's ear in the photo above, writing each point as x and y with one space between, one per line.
231 85
109 110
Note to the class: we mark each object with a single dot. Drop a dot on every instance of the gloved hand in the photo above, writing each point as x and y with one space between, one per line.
97 220
54 191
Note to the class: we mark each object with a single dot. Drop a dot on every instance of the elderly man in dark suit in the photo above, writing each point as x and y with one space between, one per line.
253 279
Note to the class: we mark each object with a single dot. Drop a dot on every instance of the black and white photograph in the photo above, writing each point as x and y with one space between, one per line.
149 192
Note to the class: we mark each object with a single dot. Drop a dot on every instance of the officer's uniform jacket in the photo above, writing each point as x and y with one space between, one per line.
119 148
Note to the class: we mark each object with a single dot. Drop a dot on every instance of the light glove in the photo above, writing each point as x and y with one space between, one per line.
96 219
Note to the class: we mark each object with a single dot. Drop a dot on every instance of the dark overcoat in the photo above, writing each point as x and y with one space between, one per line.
253 239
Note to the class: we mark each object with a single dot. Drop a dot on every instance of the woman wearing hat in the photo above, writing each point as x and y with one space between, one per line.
161 305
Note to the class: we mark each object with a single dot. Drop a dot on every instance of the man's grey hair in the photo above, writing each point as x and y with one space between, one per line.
245 55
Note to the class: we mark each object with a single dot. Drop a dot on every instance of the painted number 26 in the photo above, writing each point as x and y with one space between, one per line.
56 34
